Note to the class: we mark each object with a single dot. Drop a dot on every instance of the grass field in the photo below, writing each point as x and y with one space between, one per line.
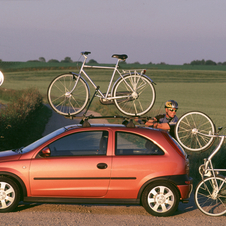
200 89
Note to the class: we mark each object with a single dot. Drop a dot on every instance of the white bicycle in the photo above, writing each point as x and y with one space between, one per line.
210 193
1 78
132 93
195 131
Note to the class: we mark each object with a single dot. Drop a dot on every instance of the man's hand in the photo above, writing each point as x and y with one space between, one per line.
151 122
141 121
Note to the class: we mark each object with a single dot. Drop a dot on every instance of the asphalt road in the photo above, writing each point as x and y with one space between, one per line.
57 121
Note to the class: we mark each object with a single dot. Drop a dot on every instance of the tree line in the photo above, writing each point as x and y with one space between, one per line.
92 61
206 62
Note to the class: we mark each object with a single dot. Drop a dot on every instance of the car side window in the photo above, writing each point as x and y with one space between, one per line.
133 144
80 144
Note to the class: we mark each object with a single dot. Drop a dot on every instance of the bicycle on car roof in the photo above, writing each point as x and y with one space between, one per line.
133 93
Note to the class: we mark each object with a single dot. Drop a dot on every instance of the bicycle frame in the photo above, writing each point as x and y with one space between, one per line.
115 69
207 167
210 193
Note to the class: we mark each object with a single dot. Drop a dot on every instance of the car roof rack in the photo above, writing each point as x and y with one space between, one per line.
127 120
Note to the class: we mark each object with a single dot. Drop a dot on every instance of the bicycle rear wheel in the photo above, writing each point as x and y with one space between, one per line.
62 100
210 196
137 102
189 127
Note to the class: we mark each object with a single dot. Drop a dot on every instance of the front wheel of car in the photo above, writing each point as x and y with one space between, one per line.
9 195
160 199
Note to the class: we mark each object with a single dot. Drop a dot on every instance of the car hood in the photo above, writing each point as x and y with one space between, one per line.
9 155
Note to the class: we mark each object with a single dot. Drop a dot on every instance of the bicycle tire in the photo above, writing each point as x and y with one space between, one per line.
210 201
134 103
62 100
1 78
187 127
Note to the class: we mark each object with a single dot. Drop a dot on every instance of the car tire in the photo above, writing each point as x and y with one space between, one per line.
9 195
160 199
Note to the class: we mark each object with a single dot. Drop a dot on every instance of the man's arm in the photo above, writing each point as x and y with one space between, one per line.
164 126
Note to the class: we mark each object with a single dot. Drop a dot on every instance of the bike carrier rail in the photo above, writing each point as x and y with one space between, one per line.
127 120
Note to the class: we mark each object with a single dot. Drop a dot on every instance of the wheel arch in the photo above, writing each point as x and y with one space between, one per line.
167 179
17 180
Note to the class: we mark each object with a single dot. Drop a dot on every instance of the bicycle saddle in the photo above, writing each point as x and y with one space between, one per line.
85 53
120 56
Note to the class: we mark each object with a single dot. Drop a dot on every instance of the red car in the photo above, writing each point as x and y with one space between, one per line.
98 164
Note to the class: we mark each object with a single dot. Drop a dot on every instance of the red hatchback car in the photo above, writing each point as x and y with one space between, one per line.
98 164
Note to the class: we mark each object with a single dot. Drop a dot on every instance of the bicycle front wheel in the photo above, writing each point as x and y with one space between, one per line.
210 196
63 99
192 130
134 94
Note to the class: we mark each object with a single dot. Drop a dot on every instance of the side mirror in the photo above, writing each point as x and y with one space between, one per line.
45 152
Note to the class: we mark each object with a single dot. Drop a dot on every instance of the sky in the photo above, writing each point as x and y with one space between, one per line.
170 31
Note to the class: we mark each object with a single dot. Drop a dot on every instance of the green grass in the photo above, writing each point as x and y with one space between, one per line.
202 90
199 88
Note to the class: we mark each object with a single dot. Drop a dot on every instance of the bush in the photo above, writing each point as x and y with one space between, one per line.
16 119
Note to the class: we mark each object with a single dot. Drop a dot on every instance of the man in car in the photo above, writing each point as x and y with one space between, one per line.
165 121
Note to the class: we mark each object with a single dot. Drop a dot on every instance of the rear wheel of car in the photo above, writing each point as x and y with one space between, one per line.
160 199
9 195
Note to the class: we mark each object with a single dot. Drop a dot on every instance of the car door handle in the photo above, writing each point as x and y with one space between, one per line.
102 165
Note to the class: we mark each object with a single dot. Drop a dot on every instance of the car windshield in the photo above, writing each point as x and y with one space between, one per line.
42 140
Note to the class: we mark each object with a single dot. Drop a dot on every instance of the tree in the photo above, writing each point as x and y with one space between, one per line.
210 62
42 59
198 62
53 61
92 61
203 62
67 60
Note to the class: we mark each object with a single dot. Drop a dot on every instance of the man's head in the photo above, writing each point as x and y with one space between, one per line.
171 107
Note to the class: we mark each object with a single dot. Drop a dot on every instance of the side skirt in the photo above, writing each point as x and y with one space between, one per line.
82 200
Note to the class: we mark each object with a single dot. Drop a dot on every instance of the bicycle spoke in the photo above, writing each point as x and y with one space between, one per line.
189 128
137 102
66 99
208 196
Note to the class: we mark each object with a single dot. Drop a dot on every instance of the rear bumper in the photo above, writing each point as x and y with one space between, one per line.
185 191
184 185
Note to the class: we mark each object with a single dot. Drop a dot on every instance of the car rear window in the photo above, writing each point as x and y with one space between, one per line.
133 144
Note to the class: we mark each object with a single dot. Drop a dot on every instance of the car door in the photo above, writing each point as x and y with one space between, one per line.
78 166
136 160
